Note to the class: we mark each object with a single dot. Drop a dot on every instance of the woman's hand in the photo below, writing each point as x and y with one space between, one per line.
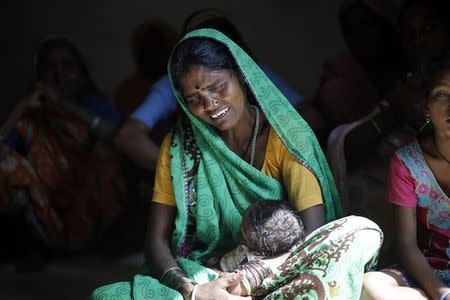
41 94
32 101
217 289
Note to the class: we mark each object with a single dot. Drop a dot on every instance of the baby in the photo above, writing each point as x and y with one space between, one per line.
270 230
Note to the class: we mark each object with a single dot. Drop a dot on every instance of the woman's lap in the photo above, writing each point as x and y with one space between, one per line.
332 262
332 265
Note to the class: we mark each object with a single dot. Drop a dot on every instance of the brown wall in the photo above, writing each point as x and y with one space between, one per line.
293 37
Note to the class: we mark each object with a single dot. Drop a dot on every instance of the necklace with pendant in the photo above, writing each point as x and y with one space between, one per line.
437 149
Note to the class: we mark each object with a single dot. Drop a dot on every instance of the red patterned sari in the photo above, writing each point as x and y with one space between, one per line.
72 185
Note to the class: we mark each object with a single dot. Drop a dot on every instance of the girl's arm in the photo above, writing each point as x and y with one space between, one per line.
411 257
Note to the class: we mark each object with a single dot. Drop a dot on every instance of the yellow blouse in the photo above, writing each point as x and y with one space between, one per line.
301 186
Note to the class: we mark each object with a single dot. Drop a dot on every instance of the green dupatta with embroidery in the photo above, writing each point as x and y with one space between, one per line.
215 185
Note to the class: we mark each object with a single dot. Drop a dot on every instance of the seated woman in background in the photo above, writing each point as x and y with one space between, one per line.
359 152
56 179
151 44
354 81
425 32
419 188
239 141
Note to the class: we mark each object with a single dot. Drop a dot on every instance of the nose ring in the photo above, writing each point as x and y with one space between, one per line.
214 104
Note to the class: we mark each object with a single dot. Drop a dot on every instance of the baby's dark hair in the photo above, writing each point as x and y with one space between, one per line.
271 227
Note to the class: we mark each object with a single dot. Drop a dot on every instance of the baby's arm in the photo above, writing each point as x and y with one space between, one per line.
255 272
263 267
233 259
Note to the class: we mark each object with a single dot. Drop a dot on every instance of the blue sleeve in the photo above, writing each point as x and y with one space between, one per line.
13 140
282 85
16 142
159 103
102 106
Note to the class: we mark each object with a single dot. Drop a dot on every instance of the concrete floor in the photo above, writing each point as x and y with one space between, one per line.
68 279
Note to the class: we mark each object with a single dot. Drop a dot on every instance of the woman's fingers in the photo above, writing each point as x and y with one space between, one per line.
45 92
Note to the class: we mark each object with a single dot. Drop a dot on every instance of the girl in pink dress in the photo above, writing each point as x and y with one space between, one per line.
419 189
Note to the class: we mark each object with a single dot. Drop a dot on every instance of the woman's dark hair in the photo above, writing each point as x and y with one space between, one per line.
201 51
434 69
272 227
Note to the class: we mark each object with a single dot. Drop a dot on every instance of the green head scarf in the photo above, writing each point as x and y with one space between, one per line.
213 185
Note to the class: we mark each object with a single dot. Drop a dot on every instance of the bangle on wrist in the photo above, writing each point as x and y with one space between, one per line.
167 271
444 295
377 127
255 272
176 279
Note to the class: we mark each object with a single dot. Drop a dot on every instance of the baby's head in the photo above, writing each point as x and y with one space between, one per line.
271 227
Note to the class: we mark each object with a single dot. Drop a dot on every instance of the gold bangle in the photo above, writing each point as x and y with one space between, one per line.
167 271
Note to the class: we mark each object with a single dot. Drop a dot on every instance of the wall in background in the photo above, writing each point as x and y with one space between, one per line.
293 37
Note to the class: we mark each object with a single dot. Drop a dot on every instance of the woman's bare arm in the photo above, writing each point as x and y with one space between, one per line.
411 257
158 256
313 218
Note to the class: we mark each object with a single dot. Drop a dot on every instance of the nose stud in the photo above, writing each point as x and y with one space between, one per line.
214 104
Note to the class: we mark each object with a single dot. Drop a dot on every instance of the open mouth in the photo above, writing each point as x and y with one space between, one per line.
220 113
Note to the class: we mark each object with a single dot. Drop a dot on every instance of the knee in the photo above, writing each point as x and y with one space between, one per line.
371 280
363 222
374 283
369 286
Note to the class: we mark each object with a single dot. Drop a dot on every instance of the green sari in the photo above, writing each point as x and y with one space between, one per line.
213 186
